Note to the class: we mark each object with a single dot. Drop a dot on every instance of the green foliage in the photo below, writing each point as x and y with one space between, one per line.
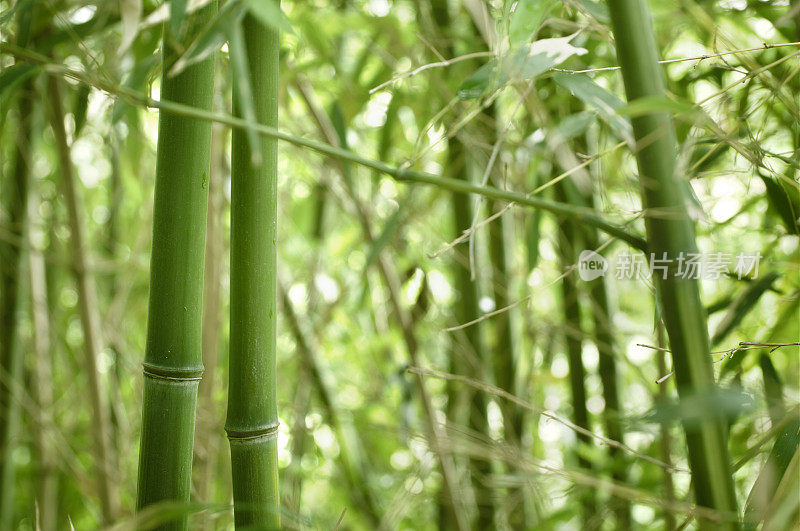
479 110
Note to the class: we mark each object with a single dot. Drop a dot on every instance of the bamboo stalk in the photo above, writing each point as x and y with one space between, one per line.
41 390
404 321
668 235
10 351
469 353
207 439
87 303
252 423
351 453
173 363
568 239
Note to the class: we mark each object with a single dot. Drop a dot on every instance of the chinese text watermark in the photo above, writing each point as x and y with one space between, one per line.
710 266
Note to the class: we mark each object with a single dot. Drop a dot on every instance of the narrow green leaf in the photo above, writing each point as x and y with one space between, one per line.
136 80
212 37
607 104
575 124
81 107
131 13
177 12
742 305
772 473
595 9
698 408
244 88
525 62
527 18
387 234
783 203
14 76
657 104
269 12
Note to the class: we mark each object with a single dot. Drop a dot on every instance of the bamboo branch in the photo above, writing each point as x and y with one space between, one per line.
400 174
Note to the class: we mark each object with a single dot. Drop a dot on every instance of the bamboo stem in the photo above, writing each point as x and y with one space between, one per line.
10 351
173 359
349 443
573 337
41 390
87 302
207 438
684 316
435 432
252 423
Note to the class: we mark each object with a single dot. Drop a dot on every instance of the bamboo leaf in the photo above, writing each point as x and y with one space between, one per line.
595 9
244 88
131 14
177 12
604 102
526 19
742 306
269 12
575 124
525 62
698 408
387 234
12 77
80 108
765 488
783 203
656 104
136 80
212 37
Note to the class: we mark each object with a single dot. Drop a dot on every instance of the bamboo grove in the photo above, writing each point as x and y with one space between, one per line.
394 264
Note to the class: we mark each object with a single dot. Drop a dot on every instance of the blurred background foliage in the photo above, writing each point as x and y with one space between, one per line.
364 74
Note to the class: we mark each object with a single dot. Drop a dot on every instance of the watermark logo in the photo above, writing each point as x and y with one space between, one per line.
709 266
591 265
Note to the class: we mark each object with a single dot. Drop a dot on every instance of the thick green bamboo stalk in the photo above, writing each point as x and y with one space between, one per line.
252 423
15 194
172 363
669 233
87 303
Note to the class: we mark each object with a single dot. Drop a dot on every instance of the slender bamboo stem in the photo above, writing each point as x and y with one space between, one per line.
665 436
252 423
573 337
351 452
173 362
10 353
405 322
41 389
207 439
668 235
87 302
469 354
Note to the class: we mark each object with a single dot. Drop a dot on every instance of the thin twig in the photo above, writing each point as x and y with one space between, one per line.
727 353
438 64
765 46
477 384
